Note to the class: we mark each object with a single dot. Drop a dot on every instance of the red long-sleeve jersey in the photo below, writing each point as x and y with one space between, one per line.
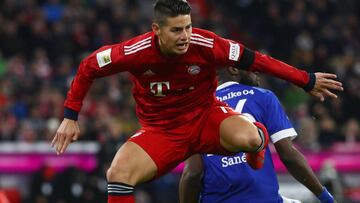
172 90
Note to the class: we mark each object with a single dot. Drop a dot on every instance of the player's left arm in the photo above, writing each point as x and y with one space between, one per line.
299 168
190 181
318 84
231 53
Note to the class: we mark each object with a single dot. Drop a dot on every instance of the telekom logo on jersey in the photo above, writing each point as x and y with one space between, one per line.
158 88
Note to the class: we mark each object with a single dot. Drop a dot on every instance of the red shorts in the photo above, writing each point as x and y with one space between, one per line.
168 148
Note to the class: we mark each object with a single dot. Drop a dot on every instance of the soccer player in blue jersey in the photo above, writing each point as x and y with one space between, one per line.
211 178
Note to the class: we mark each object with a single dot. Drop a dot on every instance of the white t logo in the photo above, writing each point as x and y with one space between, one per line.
158 90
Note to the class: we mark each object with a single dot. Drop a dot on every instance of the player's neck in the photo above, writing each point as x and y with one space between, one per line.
162 49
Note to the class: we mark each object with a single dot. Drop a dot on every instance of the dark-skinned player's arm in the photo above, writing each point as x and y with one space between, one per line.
299 168
190 181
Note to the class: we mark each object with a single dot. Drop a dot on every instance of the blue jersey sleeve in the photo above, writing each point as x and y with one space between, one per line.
276 121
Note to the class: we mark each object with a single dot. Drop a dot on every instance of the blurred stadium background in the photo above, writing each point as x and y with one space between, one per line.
42 42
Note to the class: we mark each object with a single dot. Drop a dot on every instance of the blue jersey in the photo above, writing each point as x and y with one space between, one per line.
230 179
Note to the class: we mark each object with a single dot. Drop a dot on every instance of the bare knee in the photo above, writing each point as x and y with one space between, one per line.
247 141
131 165
239 134
118 174
253 139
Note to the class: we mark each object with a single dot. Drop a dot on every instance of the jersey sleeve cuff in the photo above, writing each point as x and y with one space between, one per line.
290 132
325 196
311 83
70 114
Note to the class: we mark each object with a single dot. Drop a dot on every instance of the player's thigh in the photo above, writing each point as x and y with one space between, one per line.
166 149
237 133
131 165
209 140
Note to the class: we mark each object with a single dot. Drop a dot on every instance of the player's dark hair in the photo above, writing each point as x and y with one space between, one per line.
170 8
224 76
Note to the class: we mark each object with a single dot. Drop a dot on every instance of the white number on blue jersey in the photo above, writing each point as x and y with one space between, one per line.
240 105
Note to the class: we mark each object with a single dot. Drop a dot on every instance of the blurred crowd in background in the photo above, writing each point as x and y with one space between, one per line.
42 42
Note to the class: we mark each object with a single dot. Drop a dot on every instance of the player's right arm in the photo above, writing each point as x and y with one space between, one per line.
190 181
106 61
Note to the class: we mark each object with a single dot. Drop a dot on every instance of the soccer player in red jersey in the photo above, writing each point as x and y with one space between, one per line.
173 69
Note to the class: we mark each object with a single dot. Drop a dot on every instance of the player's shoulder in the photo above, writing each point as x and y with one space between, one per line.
266 95
202 38
139 39
130 46
124 51
137 44
203 33
265 92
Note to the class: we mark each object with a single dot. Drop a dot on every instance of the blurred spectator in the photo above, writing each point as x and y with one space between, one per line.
309 134
351 131
328 134
42 185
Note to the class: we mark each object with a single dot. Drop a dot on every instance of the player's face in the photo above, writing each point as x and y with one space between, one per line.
174 35
250 78
244 77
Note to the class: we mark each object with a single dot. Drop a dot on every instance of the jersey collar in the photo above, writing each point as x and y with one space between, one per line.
226 84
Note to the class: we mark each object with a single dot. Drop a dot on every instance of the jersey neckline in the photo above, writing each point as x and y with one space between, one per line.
226 84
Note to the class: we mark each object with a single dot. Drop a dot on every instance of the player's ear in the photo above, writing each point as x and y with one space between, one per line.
233 70
155 28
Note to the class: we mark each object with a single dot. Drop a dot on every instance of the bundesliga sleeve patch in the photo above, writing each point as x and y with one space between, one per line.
104 57
234 51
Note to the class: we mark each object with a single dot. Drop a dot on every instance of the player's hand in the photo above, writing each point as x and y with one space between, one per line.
67 132
324 85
